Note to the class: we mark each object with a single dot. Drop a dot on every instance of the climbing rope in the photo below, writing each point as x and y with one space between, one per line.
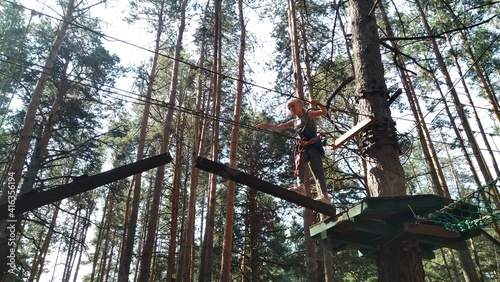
476 210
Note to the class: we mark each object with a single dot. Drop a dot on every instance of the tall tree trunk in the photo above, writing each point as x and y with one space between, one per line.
233 154
459 138
200 127
474 112
434 168
39 263
254 231
385 173
294 46
194 175
160 173
72 245
488 91
452 91
477 119
27 130
127 247
102 238
483 167
207 252
175 196
41 147
82 236
399 260
299 89
29 119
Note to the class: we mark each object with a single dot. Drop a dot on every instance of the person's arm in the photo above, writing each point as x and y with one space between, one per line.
317 112
288 124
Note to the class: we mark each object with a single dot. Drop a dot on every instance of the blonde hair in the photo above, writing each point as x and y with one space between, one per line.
293 100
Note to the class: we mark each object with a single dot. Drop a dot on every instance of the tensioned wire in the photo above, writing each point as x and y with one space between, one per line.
139 99
125 95
194 66
132 97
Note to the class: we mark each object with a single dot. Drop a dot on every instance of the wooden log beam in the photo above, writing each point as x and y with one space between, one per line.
432 230
353 131
266 187
35 200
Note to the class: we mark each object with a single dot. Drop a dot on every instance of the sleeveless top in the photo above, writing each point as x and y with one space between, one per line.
306 129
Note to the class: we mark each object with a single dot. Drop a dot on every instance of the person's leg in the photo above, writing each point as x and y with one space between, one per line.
299 171
319 174
303 164
317 169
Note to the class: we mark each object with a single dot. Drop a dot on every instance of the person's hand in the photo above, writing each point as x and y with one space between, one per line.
260 126
315 103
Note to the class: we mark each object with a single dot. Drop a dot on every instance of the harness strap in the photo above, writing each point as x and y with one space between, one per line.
303 145
298 154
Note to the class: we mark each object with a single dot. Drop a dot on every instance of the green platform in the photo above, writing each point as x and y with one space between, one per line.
374 222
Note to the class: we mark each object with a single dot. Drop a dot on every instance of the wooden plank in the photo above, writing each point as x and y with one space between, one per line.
36 200
373 221
261 185
353 131
371 227
432 230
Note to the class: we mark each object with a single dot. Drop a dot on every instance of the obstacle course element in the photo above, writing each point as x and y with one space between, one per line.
373 222
476 210
362 125
261 185
80 185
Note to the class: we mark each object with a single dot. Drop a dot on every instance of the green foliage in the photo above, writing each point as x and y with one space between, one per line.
13 51
98 127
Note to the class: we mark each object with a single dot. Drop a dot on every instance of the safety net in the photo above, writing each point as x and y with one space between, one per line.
476 210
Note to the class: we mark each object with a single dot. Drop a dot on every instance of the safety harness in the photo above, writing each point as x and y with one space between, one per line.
304 143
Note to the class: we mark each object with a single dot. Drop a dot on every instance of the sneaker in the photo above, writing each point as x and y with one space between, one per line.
323 199
299 188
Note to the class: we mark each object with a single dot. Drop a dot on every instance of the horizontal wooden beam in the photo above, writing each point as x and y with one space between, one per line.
266 187
35 200
432 230
353 131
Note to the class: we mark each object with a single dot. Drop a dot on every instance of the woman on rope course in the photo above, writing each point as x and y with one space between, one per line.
309 150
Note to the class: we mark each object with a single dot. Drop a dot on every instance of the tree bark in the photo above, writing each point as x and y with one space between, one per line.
433 166
308 215
200 129
207 249
128 246
145 267
452 91
233 154
398 260
27 130
176 195
488 91
294 47
385 173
